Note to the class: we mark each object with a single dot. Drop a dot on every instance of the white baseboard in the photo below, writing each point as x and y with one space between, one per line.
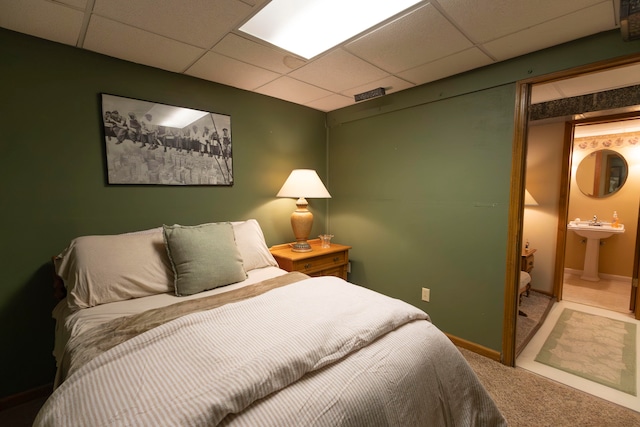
605 276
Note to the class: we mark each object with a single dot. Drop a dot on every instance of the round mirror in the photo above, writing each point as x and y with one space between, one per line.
601 173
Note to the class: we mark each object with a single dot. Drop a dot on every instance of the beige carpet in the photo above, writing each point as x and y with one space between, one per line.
535 306
527 399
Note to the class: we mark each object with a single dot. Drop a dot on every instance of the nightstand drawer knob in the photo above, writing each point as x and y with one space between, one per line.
307 266
336 259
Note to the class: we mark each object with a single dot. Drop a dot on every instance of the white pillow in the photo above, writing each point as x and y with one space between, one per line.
101 269
251 244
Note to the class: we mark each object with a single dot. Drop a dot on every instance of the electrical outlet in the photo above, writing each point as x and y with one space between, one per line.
426 294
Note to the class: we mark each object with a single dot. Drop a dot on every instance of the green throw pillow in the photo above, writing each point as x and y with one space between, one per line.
203 257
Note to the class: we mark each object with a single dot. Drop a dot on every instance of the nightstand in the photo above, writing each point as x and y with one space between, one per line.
331 261
526 260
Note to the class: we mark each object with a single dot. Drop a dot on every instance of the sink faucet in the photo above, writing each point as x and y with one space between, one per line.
594 221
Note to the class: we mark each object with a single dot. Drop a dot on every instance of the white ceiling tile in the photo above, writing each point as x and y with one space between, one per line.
197 22
42 18
610 128
293 90
254 2
331 102
131 44
454 64
78 4
568 27
545 92
251 52
485 20
221 69
390 84
437 39
337 71
423 35
591 83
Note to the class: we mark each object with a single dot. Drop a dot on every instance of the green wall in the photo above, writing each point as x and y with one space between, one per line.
420 183
53 175
419 180
426 205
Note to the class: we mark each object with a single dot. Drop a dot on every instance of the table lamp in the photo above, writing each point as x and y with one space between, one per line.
300 184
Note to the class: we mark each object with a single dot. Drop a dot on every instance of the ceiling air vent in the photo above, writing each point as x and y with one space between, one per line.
370 94
630 19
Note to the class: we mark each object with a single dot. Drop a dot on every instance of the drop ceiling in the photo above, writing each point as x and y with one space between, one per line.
200 38
609 128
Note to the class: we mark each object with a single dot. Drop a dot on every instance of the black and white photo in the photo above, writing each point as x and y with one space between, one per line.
159 144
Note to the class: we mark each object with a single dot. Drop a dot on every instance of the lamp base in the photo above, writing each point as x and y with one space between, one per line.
301 247
301 222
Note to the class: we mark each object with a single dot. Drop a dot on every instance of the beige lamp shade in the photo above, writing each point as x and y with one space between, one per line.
304 183
300 184
528 199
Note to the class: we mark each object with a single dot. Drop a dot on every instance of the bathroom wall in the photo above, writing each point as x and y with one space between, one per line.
540 223
616 252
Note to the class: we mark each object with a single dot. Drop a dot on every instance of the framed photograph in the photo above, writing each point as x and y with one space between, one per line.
148 143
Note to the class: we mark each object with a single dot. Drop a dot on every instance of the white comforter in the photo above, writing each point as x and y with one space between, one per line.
271 360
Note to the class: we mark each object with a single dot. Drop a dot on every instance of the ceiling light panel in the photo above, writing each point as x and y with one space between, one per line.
308 28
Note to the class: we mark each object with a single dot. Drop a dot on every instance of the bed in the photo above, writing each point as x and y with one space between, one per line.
196 325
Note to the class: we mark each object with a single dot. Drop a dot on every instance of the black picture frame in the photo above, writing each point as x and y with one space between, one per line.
149 143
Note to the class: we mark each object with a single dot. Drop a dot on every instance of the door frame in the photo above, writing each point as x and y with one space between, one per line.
517 188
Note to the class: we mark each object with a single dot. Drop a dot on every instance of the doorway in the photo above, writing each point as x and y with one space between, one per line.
515 234
603 179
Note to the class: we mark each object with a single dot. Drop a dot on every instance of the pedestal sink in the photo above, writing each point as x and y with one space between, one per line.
593 234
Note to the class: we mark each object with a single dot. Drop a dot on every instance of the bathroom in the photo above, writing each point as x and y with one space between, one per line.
549 147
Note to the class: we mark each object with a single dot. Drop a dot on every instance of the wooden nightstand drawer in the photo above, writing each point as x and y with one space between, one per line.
340 271
321 262
527 260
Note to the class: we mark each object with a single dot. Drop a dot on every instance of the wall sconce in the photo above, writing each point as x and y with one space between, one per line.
300 184
528 199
